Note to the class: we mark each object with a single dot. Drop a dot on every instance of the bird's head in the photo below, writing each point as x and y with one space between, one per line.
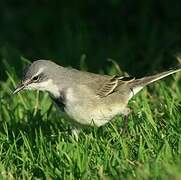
39 76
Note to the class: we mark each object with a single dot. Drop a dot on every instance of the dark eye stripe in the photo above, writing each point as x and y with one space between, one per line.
36 78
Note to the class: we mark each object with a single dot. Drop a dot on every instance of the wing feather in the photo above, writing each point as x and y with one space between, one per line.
111 85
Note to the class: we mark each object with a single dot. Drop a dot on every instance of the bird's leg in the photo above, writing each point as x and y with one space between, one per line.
75 133
124 128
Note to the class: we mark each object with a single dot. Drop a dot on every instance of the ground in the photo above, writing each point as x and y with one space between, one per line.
35 142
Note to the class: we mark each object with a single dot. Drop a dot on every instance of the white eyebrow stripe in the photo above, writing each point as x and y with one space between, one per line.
39 71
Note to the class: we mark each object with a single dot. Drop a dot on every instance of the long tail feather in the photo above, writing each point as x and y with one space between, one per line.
139 84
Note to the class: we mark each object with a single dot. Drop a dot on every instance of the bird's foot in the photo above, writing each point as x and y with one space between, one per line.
124 127
75 133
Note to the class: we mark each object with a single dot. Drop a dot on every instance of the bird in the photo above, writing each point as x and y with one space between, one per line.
88 99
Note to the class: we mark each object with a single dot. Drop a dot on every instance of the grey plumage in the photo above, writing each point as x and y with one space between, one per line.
87 98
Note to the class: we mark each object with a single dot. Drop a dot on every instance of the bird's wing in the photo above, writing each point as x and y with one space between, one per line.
112 84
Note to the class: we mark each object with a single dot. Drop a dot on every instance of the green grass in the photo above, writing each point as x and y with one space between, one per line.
35 142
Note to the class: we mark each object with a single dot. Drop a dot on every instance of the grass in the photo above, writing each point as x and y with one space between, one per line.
36 143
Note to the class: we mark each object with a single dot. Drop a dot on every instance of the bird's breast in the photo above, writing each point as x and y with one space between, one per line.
59 103
87 109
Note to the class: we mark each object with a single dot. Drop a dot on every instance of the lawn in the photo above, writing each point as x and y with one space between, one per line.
36 143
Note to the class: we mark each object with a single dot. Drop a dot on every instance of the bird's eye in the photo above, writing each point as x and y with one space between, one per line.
35 78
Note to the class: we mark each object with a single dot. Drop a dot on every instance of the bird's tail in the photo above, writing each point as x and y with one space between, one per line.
139 84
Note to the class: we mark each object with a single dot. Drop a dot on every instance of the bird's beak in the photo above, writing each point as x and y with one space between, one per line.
22 86
19 88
